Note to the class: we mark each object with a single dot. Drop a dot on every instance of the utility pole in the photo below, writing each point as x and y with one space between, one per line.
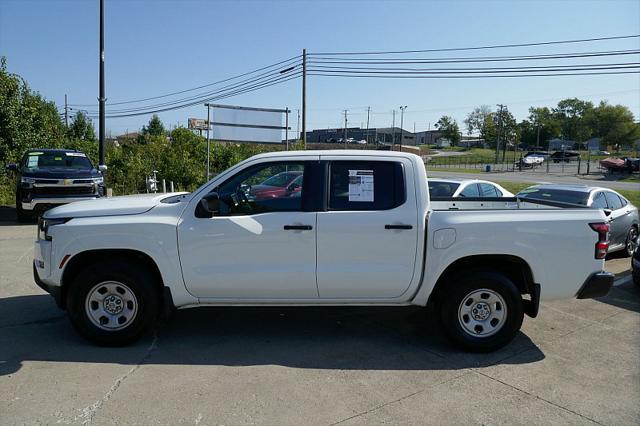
208 141
66 112
499 128
286 127
304 97
345 128
393 131
101 99
401 126
368 111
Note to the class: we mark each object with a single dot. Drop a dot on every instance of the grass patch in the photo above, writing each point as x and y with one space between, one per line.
514 187
632 195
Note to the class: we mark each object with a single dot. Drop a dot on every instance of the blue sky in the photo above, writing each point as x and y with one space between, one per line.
156 47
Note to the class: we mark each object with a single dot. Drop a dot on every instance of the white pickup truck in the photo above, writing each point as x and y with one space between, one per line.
317 228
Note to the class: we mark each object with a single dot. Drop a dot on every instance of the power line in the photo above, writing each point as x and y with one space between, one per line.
498 46
472 59
286 61
260 77
475 70
253 88
474 76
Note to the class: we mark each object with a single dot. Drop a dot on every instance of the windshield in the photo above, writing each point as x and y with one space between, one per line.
442 189
38 160
561 195
281 179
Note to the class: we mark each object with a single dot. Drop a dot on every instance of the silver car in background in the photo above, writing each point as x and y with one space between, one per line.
623 216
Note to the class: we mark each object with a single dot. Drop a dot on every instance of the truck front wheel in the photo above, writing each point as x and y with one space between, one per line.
481 311
112 303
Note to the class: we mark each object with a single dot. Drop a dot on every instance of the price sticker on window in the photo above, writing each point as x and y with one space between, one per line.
361 185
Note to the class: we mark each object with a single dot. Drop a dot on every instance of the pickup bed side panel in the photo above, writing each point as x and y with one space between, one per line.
558 245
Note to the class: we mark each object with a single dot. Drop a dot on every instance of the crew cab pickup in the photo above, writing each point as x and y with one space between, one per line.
360 231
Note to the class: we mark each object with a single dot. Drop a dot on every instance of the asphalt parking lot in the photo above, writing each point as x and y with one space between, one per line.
578 362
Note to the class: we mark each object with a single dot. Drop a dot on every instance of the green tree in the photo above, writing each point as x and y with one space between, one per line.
489 130
546 125
81 128
477 121
155 127
614 124
571 115
27 120
449 128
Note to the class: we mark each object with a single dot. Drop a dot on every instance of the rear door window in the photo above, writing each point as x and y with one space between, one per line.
613 200
470 191
487 190
599 201
366 185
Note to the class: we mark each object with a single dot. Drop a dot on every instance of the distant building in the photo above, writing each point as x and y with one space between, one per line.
593 144
560 144
428 137
385 135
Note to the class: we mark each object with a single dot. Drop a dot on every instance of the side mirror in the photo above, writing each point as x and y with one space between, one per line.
102 168
607 212
11 167
211 203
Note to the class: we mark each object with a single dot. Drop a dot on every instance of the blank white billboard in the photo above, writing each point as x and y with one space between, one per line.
241 124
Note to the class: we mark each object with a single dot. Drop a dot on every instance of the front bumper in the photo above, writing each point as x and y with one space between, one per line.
597 285
53 290
49 201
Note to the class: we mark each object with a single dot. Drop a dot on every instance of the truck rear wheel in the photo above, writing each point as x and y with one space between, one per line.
481 311
112 303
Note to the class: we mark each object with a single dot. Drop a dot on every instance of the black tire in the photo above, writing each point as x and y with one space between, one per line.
133 279
630 242
22 216
458 290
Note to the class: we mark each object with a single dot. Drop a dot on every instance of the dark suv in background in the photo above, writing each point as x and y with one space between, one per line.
50 177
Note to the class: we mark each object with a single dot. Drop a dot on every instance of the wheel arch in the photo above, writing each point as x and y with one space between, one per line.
80 260
513 267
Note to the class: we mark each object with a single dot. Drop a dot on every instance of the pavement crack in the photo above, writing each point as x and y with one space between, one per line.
538 397
90 411
35 322
399 399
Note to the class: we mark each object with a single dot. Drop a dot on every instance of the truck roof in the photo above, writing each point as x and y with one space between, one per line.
339 152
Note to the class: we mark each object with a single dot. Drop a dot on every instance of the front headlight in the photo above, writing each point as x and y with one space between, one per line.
98 180
28 180
45 224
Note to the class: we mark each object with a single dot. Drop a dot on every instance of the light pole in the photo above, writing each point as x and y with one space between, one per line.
101 99
402 108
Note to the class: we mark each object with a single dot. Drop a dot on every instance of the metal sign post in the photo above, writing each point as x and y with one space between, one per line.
286 127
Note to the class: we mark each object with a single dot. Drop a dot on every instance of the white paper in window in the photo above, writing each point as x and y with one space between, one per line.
361 185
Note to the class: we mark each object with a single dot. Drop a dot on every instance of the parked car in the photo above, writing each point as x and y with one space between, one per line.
473 188
635 263
543 154
564 156
357 235
282 184
49 177
622 215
